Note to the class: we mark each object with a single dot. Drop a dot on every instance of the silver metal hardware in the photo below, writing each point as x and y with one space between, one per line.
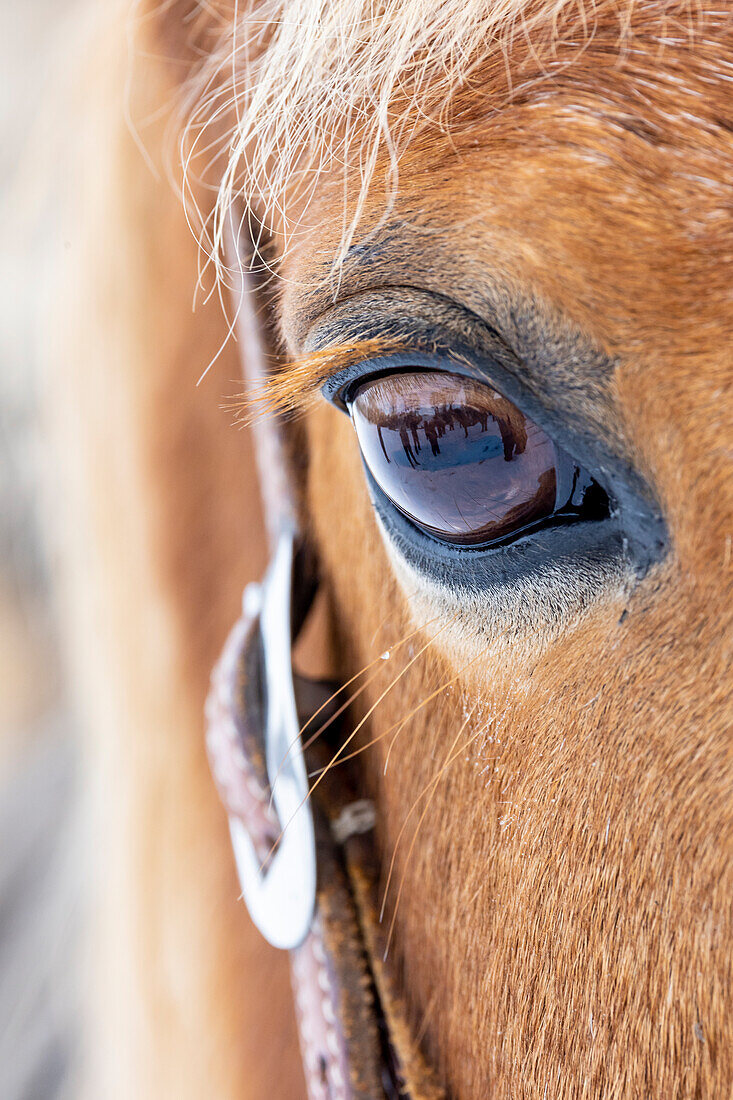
281 900
356 818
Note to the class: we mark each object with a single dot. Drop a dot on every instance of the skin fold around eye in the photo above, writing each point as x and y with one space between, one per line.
462 462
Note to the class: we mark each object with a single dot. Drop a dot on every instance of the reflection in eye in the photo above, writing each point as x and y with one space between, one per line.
462 462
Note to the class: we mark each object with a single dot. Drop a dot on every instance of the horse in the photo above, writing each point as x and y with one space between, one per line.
490 248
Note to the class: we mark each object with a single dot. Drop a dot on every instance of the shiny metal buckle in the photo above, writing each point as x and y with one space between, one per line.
281 898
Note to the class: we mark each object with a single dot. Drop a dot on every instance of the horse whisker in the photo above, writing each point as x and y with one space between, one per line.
354 732
354 695
420 705
436 781
399 723
414 806
304 727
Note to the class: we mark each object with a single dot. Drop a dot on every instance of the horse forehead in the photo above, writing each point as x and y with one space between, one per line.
658 92
596 153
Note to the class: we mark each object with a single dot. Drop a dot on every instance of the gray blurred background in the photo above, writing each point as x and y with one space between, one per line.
41 877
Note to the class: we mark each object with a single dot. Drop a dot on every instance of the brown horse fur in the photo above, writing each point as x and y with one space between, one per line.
564 917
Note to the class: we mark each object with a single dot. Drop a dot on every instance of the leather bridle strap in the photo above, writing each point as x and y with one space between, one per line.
307 865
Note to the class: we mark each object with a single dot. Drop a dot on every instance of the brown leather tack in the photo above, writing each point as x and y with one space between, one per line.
418 1079
355 1037
339 1035
234 717
412 1076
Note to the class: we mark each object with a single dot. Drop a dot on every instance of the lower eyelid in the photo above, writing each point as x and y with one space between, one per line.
578 550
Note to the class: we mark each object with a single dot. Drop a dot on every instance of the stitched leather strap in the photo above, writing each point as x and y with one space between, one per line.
355 1041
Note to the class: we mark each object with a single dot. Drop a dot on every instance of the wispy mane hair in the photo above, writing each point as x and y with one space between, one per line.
296 87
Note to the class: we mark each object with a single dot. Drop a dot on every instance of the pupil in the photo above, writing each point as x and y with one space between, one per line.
460 460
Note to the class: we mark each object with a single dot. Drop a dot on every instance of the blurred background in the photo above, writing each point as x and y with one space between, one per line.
41 862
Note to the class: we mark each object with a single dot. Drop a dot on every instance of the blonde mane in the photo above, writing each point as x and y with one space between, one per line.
296 87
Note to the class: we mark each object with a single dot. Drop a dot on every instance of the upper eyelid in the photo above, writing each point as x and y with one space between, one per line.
487 369
336 388
524 338
293 389
490 373
443 335
516 348
406 320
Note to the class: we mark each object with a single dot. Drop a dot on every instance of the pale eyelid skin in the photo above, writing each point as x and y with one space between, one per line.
507 620
510 602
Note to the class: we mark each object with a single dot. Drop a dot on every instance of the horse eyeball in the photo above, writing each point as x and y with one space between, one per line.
462 462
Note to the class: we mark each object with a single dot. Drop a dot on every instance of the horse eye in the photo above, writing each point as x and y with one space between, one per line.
463 463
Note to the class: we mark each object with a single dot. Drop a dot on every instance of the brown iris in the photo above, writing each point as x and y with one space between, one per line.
462 462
